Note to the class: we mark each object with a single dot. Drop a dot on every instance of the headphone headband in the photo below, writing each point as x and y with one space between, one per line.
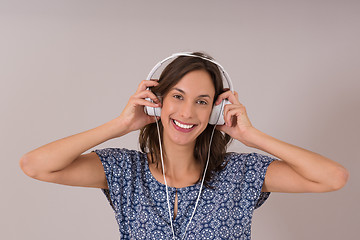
217 114
190 54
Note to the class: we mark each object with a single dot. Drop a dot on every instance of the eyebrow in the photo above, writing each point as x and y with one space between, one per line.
183 92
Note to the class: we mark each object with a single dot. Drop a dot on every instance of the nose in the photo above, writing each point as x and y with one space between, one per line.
186 109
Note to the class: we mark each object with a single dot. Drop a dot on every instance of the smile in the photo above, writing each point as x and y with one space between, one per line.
182 127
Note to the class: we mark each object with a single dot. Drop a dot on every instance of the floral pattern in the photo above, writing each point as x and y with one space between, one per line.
224 212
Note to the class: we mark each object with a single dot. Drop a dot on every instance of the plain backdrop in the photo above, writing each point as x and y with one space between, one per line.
69 66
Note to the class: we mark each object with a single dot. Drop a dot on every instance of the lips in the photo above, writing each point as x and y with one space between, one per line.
182 127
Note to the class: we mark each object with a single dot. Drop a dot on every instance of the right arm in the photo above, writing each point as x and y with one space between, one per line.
62 161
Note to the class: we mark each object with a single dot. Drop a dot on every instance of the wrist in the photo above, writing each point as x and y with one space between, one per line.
116 127
252 137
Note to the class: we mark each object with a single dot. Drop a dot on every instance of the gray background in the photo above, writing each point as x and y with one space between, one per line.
68 66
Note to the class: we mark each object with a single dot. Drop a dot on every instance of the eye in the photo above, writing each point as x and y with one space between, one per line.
178 96
202 102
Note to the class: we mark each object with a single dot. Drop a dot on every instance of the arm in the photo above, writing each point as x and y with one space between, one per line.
61 161
298 170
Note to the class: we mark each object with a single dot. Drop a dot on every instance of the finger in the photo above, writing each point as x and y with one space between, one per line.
230 107
143 102
229 112
227 95
148 94
233 114
144 84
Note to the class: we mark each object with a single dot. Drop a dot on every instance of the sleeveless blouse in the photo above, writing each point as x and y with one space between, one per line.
224 212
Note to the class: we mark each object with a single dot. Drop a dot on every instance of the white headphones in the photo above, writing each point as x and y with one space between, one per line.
217 114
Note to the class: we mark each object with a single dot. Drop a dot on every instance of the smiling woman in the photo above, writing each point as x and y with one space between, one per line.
158 193
186 108
189 87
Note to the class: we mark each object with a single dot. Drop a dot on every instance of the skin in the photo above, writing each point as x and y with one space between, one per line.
298 170
189 102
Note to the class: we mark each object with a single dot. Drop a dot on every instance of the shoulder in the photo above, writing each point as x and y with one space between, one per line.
117 152
247 158
247 161
121 164
117 155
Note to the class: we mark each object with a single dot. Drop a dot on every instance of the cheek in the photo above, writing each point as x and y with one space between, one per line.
167 108
205 115
166 111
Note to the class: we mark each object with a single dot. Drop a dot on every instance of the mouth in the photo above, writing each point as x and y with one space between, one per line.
183 127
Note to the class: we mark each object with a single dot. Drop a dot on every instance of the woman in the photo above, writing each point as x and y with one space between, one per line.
159 194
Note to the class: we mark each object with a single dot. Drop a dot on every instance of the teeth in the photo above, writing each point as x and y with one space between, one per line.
182 125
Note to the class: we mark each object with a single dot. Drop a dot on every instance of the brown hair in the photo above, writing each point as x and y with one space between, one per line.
170 76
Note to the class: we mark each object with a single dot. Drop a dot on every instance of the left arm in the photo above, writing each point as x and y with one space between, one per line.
299 170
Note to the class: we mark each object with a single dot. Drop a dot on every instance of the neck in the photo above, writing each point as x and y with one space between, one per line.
179 159
181 168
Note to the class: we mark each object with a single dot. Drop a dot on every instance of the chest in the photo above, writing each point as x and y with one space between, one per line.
227 209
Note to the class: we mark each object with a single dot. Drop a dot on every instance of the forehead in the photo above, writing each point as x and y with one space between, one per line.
196 82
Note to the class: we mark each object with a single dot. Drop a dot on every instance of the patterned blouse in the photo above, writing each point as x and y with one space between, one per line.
224 212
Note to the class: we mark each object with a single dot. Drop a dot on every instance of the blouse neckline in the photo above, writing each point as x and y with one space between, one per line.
153 179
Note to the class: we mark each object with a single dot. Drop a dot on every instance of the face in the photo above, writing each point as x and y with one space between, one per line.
186 108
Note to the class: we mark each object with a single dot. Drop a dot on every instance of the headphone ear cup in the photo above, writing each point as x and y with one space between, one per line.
215 117
217 114
152 111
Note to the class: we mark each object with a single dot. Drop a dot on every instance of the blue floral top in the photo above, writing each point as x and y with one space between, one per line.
140 205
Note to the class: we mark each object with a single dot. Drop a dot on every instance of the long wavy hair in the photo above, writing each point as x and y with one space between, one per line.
170 76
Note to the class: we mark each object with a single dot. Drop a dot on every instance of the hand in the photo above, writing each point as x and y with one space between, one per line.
133 115
237 122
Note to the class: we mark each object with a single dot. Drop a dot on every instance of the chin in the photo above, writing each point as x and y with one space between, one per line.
184 139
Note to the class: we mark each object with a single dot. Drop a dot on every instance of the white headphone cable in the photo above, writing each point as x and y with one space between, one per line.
163 169
167 192
202 181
